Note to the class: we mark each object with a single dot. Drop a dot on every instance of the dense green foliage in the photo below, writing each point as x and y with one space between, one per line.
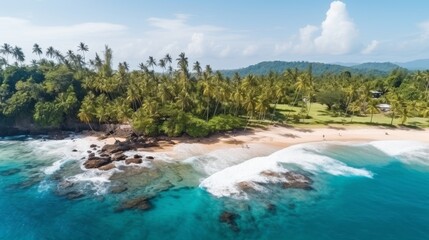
63 88
263 68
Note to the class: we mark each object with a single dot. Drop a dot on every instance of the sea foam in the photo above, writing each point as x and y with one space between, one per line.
302 156
409 152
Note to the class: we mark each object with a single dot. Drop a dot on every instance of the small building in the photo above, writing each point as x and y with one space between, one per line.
384 107
376 94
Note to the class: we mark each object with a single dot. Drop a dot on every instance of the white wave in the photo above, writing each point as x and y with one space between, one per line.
211 162
97 180
225 182
409 152
395 148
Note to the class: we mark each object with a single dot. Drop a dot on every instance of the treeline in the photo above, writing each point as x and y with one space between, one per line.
167 96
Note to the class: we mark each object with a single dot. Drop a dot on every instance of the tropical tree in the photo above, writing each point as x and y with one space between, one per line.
6 49
37 50
82 47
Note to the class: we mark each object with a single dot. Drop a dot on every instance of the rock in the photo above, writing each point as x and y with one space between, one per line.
89 151
91 155
104 155
118 189
10 172
230 219
137 156
246 186
271 208
117 147
140 203
97 162
74 150
65 184
118 156
107 167
93 146
297 180
133 160
73 195
150 157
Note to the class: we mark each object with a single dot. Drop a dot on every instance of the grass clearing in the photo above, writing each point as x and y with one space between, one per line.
319 115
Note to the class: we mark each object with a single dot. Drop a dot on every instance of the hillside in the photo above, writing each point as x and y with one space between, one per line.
421 64
318 68
377 66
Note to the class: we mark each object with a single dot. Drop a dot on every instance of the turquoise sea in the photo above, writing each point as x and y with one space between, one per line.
375 190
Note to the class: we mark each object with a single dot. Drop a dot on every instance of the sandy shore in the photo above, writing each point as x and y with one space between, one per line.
281 137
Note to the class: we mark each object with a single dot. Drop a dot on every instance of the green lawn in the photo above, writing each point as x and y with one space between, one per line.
320 116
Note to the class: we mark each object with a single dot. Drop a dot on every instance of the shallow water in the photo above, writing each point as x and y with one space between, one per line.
376 190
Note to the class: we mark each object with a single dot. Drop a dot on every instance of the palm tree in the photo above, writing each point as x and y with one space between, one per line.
6 49
197 68
50 52
37 50
18 54
182 63
372 107
151 62
162 64
82 47
168 59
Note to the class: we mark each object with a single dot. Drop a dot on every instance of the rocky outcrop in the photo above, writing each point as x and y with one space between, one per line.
107 167
119 156
290 179
117 147
10 172
297 180
96 162
229 218
133 160
139 203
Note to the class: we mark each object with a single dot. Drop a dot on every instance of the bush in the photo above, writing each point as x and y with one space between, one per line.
144 124
174 126
225 123
196 127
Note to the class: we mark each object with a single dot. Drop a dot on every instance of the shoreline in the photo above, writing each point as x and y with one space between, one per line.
278 137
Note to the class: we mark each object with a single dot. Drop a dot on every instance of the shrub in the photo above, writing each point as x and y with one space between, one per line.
225 123
196 127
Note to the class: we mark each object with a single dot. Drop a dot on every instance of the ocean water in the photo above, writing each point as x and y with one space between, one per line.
375 190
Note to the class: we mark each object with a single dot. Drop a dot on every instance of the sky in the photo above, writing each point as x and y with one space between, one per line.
225 34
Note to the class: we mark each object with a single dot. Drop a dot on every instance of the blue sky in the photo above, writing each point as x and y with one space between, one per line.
224 34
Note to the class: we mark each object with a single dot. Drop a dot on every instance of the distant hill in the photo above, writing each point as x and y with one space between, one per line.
383 67
421 64
318 68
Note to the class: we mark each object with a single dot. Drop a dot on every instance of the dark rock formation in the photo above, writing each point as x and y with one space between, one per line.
107 167
133 160
74 150
119 156
150 157
10 172
137 156
230 219
117 147
118 189
93 146
297 180
96 162
139 203
291 179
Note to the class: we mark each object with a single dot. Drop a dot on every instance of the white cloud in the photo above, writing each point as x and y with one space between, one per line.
336 35
371 47
24 33
250 50
196 46
338 31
